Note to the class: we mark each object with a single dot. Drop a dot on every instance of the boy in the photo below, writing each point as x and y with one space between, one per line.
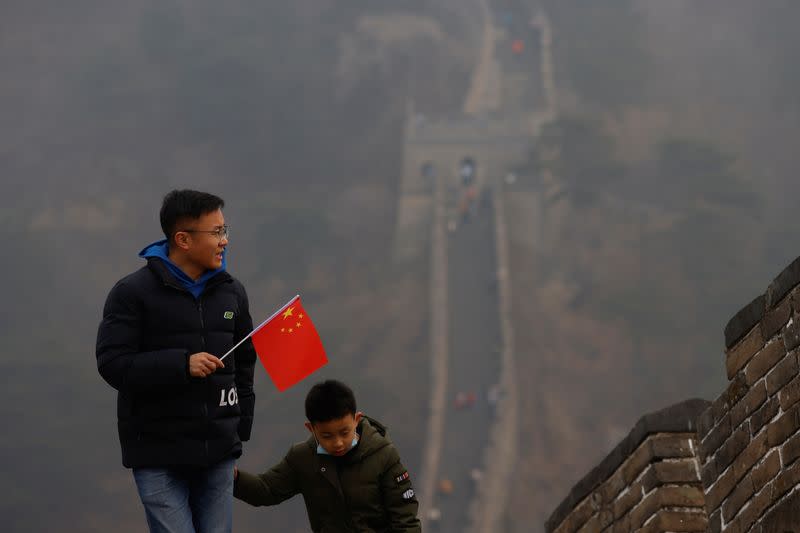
348 471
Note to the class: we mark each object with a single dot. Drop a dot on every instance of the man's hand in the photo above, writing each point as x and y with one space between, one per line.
235 472
203 363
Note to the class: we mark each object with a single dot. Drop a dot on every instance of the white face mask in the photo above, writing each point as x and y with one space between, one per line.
323 451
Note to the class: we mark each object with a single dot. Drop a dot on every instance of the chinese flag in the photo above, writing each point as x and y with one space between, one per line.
288 345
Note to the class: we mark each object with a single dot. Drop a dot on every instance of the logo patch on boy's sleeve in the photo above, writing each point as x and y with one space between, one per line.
402 477
407 495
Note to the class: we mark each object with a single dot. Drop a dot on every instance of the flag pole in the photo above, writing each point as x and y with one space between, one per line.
276 313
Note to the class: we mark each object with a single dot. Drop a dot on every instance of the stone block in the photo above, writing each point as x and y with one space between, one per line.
575 519
676 520
791 335
668 496
790 393
749 514
627 500
790 449
741 353
755 451
709 473
737 498
744 321
783 372
720 490
715 522
782 518
704 423
764 360
754 399
611 488
776 318
622 525
715 438
636 463
737 442
681 471
671 445
779 429
785 481
782 284
766 470
763 415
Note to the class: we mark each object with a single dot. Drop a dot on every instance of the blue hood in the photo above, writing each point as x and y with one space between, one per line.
160 249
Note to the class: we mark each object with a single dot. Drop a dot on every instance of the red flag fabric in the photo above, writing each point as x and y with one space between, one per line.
289 346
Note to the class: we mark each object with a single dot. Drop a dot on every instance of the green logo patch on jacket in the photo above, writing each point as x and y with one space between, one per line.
228 315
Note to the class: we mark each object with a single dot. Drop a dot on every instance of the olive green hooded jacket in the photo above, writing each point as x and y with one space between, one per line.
368 490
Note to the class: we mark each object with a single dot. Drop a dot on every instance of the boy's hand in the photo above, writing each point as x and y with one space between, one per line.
203 363
235 472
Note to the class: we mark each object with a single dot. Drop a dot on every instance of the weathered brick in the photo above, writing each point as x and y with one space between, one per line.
611 488
627 500
791 335
737 442
786 480
754 398
579 516
780 429
737 498
764 360
755 451
636 462
776 318
766 470
782 517
741 352
715 522
763 415
715 438
664 472
734 392
790 449
744 320
671 445
790 394
709 473
669 496
622 525
795 296
720 490
591 526
783 372
749 514
674 520
704 423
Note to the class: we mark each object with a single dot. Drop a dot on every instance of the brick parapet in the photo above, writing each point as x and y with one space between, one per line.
651 480
745 445
750 436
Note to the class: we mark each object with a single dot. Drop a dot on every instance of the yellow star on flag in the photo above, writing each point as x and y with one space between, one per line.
288 313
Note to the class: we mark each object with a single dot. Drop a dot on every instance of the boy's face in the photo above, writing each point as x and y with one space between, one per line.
336 436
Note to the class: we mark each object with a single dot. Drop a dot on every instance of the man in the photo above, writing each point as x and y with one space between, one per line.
182 412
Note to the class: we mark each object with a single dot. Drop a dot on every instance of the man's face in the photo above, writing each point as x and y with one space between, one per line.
336 436
204 248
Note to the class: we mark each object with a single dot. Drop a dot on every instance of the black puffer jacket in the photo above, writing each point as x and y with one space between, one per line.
151 324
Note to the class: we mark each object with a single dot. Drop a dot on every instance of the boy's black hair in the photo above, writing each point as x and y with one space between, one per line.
329 400
186 203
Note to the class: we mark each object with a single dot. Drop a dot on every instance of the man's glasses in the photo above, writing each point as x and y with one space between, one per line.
220 233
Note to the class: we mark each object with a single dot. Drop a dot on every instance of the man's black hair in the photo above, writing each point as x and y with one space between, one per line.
329 400
186 203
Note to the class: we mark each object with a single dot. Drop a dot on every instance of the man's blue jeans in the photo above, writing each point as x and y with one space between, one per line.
187 500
